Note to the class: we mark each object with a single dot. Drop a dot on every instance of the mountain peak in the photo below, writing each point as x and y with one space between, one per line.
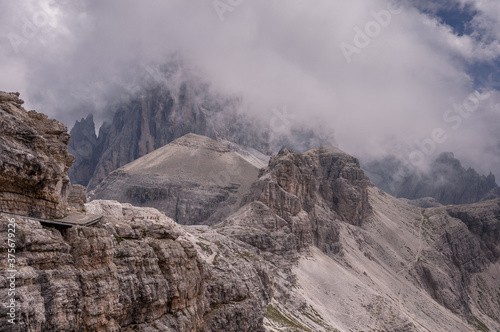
200 142
193 179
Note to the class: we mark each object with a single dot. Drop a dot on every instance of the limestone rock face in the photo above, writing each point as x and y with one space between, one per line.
85 146
144 275
34 160
310 194
324 176
483 220
193 180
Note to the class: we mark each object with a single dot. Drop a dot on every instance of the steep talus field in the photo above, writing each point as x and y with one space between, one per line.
193 180
407 269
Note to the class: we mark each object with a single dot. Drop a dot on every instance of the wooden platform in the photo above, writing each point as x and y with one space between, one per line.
74 219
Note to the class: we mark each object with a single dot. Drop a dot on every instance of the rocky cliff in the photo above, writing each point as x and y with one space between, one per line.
307 195
34 160
122 276
85 146
446 180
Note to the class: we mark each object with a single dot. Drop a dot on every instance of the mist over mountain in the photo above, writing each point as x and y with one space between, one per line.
174 102
423 69
306 243
445 180
240 166
193 180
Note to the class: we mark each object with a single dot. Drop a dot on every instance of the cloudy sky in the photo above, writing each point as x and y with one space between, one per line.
386 77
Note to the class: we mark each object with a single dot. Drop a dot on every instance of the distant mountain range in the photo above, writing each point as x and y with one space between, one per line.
175 104
150 120
446 180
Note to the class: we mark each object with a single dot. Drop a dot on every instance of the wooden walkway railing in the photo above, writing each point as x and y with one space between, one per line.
60 222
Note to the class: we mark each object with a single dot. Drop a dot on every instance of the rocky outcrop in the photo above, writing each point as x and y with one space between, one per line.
193 180
121 275
446 180
85 146
34 160
77 197
482 220
324 176
310 194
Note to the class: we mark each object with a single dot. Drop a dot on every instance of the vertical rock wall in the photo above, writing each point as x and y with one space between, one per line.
33 161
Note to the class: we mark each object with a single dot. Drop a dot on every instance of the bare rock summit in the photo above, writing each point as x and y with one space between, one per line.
193 180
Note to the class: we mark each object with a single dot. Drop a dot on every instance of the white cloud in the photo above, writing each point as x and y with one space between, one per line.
274 54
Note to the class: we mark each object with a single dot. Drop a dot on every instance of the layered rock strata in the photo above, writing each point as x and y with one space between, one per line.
34 161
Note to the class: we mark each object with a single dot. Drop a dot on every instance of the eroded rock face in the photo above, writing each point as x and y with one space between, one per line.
85 146
34 160
77 197
483 220
310 194
142 275
324 176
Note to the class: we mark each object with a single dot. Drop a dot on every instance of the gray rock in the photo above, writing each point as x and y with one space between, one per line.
77 197
85 146
425 202
119 275
34 160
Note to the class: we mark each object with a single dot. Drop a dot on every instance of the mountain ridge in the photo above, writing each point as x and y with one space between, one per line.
446 180
193 179
312 246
